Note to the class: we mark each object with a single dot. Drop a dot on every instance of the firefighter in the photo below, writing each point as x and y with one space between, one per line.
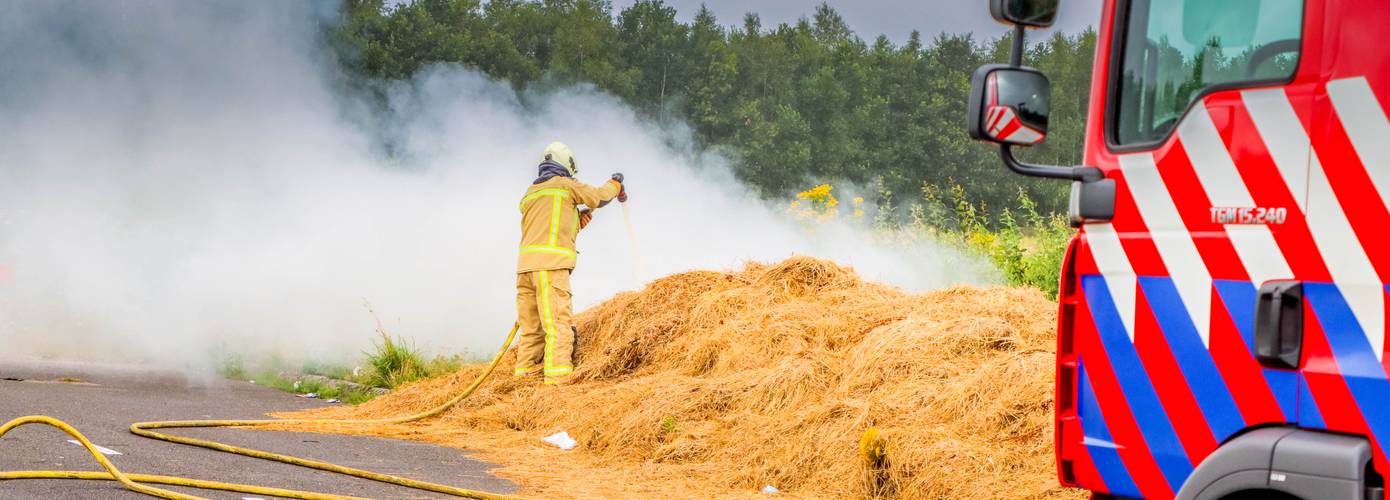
551 218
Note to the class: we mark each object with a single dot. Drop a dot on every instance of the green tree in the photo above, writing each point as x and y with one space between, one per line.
791 105
655 45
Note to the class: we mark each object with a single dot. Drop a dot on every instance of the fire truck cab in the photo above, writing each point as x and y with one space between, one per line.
1222 314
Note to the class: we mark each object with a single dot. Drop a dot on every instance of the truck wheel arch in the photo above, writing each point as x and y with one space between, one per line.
1299 462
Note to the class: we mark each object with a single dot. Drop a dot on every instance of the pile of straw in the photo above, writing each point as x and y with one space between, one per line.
710 384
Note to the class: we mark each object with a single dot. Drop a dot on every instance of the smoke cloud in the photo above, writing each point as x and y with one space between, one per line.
184 178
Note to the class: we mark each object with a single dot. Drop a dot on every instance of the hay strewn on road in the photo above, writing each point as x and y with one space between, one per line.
711 384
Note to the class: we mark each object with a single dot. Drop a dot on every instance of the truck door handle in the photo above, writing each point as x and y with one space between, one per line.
1279 324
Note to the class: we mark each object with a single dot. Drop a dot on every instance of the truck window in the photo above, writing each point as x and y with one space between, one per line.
1175 49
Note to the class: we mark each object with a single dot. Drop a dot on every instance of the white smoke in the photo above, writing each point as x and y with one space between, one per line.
177 177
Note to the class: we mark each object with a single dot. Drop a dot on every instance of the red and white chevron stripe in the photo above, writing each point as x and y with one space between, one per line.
1173 189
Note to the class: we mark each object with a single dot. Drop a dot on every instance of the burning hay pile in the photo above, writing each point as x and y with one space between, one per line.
710 384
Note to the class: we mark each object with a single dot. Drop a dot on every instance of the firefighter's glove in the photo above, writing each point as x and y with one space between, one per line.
622 188
585 216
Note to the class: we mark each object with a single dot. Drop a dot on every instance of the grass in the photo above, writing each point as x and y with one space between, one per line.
347 395
392 362
272 374
396 361
333 370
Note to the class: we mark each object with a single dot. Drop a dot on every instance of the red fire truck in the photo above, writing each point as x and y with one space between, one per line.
1222 315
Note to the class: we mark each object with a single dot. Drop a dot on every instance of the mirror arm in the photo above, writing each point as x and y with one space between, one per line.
1082 173
1016 56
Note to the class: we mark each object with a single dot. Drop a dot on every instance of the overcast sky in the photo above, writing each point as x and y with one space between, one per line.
895 18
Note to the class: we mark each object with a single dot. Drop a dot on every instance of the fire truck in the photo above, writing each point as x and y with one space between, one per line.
1222 314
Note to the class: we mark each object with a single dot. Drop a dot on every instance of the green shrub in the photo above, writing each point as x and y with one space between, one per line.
1025 245
1029 251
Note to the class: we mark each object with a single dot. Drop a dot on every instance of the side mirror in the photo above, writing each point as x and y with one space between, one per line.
1035 13
1009 105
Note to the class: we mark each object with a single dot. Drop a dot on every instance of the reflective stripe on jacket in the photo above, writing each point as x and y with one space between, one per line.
550 221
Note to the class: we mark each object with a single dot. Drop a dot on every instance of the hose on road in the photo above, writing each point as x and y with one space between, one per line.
137 482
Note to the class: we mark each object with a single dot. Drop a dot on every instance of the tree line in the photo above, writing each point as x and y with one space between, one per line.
791 104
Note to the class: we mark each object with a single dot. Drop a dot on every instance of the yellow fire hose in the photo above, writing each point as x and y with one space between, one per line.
134 482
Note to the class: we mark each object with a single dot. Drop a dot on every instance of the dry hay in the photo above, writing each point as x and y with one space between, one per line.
710 384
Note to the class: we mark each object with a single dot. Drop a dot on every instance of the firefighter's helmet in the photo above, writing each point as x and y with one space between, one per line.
558 152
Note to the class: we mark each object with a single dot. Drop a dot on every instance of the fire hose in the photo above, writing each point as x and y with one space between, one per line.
140 482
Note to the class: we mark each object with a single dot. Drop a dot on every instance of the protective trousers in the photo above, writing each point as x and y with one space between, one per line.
546 324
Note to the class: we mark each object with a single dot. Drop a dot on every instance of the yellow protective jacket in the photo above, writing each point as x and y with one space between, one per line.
550 221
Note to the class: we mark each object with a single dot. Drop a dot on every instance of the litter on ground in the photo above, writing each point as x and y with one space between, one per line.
104 450
560 439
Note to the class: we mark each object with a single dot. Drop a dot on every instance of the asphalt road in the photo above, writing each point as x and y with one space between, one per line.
108 398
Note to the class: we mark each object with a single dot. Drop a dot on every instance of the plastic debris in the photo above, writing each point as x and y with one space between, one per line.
251 381
770 489
104 450
296 385
333 401
312 395
561 439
